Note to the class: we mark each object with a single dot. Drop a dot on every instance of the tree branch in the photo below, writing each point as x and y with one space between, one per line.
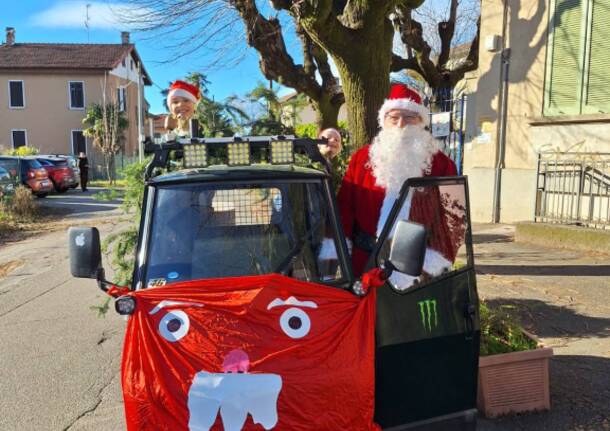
275 62
446 30
411 34
472 60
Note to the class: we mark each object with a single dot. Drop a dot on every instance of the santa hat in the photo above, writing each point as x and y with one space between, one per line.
404 98
183 89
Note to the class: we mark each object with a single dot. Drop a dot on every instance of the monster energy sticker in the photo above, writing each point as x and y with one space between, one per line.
428 314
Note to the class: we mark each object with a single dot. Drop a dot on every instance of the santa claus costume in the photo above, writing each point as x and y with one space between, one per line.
376 173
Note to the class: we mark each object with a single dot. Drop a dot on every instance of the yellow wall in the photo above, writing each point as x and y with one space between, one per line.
47 116
527 132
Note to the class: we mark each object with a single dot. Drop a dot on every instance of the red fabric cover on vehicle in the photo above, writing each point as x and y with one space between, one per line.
256 328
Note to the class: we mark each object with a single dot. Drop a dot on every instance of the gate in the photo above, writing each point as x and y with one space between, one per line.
573 188
453 107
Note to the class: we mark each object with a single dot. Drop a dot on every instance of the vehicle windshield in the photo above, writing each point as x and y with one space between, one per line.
208 231
34 164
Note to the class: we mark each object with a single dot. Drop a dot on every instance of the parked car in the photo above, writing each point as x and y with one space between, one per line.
60 173
28 172
72 163
7 183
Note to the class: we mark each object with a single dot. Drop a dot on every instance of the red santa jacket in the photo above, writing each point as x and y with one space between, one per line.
360 201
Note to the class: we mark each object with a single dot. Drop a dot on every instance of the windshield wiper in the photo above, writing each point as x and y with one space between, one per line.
286 264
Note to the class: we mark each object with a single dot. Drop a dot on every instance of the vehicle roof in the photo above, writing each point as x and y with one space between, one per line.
236 173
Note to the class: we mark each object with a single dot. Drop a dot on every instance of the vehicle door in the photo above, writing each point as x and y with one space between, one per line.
427 329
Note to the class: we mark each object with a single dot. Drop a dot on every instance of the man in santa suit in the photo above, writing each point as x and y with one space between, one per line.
403 148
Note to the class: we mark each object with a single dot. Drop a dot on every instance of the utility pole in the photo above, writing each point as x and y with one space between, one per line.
140 115
87 19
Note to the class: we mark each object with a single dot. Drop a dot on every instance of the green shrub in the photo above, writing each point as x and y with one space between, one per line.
23 151
501 333
121 246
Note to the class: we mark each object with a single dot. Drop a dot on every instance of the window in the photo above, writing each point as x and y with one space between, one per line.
19 138
79 143
441 207
131 64
206 231
16 94
77 95
577 81
122 99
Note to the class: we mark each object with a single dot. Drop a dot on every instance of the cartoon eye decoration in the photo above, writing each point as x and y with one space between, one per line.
295 323
174 325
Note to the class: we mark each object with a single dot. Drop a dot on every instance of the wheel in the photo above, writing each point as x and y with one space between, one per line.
41 195
61 189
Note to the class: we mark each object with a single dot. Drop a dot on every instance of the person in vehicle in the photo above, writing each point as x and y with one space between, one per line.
403 148
334 145
182 100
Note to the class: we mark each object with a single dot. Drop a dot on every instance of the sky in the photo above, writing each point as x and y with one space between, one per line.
63 21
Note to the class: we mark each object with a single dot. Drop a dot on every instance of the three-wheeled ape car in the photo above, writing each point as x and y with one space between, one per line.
239 320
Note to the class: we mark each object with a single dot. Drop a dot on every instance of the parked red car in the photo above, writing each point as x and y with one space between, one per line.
60 173
30 173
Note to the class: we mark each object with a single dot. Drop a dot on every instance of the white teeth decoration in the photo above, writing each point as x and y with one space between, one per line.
236 396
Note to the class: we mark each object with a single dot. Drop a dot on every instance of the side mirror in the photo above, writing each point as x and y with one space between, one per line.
85 252
408 248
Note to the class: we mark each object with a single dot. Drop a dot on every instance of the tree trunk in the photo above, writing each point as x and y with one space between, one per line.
366 84
327 112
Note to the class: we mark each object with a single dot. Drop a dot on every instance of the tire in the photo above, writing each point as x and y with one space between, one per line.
41 195
62 190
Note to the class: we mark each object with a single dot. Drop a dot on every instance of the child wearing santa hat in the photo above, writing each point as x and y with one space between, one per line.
182 100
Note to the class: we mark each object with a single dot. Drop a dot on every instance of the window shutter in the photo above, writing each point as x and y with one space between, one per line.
16 94
597 90
564 86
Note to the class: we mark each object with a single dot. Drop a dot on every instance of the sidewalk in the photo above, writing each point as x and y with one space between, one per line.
562 297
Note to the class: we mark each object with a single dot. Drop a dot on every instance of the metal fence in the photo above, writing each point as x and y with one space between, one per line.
97 170
444 101
573 188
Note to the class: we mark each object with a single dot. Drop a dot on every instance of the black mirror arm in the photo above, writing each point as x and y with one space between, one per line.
102 283
109 288
388 268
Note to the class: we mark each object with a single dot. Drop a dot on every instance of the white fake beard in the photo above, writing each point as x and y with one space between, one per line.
398 154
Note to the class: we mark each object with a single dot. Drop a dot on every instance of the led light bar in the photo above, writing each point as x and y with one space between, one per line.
282 152
195 155
238 153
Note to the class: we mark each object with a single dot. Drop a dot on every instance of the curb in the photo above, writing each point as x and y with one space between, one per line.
569 237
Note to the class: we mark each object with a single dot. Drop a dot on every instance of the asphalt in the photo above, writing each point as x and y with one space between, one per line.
561 296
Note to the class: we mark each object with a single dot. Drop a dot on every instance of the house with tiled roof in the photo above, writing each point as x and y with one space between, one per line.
45 89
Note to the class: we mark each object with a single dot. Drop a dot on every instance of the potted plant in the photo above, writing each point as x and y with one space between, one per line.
513 367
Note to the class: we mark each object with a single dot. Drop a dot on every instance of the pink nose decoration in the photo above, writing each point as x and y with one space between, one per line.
236 361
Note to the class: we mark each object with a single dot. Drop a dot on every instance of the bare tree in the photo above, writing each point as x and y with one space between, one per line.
106 126
430 34
356 34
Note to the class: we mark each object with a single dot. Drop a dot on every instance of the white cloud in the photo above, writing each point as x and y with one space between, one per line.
102 15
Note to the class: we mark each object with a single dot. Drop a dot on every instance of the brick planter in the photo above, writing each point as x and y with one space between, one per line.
514 382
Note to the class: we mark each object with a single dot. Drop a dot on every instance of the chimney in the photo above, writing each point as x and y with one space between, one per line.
10 36
125 37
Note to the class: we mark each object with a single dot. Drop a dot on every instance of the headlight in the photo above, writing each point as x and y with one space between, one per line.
195 155
282 152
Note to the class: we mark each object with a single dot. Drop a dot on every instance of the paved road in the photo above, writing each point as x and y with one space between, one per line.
81 205
563 299
60 364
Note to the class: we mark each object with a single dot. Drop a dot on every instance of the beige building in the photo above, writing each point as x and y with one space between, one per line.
542 88
45 90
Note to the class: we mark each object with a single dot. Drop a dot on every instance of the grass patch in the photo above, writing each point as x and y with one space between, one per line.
106 183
